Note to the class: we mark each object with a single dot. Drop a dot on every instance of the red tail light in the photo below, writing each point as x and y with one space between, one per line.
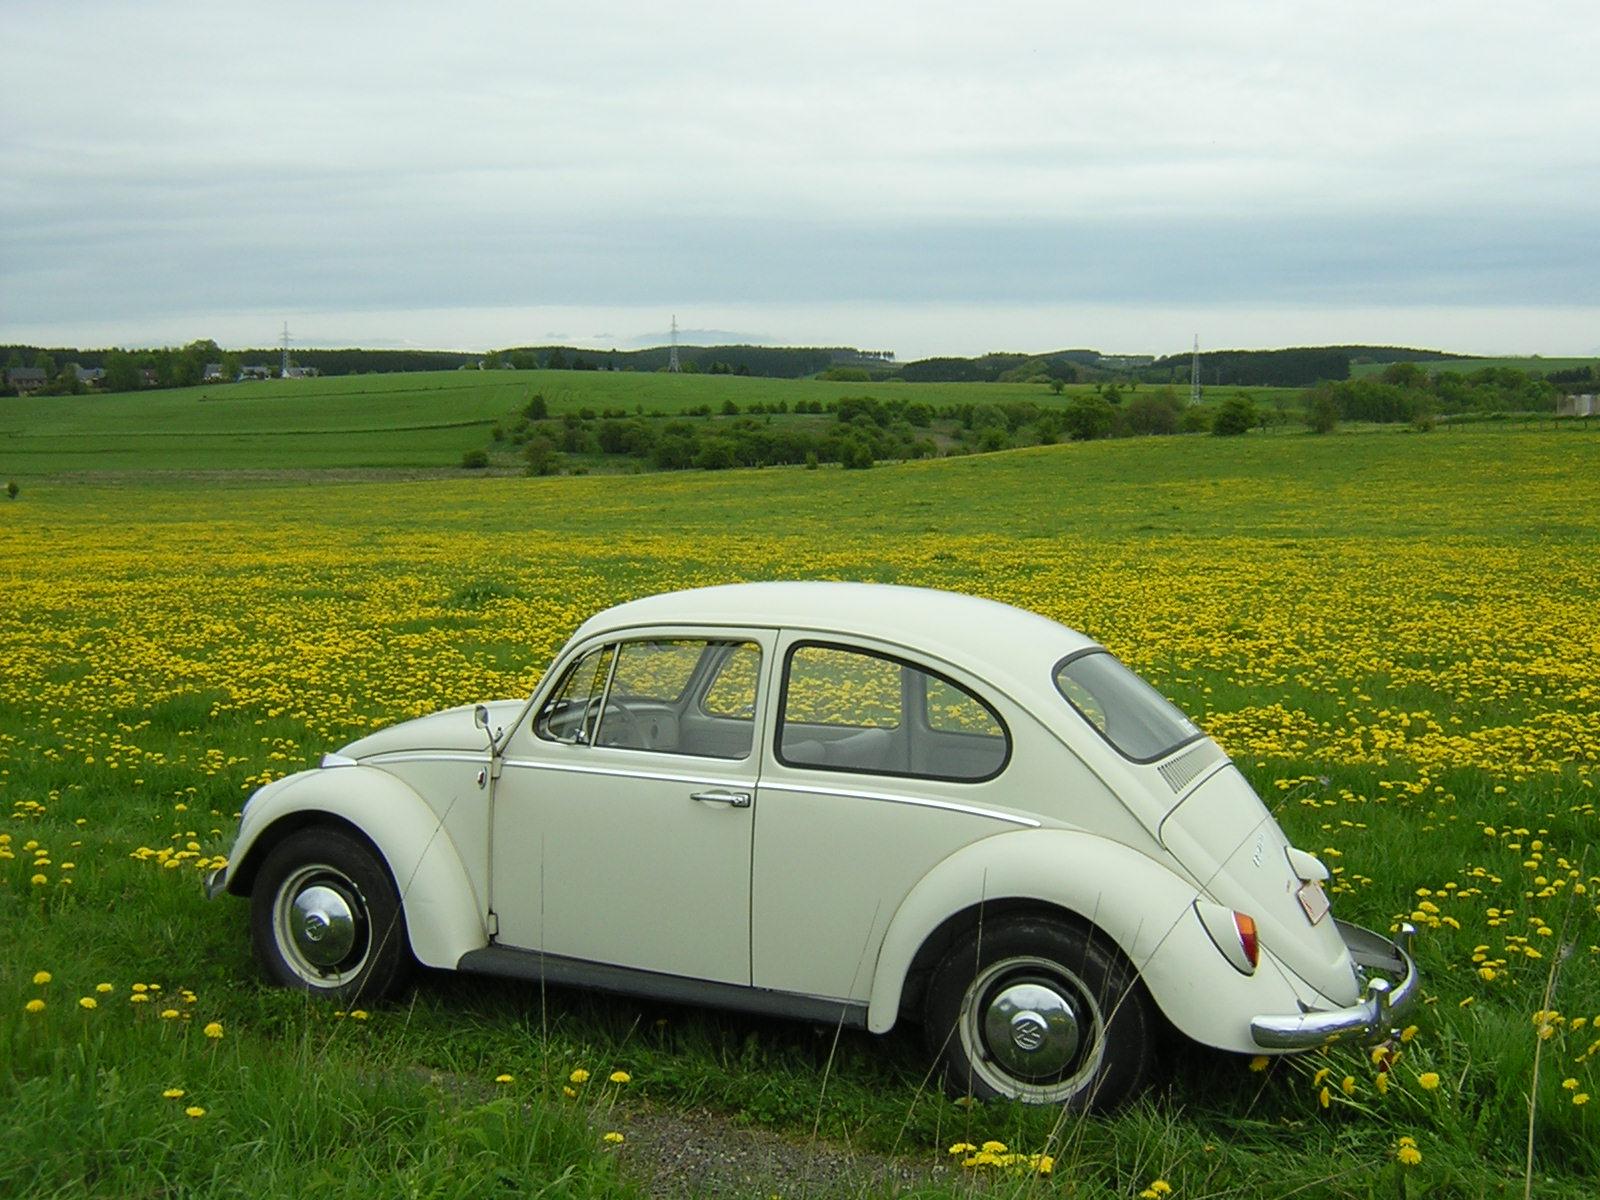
1246 927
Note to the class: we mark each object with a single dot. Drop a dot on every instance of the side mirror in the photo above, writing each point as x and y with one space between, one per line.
480 717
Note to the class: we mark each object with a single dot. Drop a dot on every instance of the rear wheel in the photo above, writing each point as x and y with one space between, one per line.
325 918
1039 1011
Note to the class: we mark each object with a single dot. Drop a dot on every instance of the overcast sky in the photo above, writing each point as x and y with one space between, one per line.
922 177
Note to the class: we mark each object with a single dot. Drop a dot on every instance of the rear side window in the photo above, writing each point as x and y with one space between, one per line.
847 709
1130 714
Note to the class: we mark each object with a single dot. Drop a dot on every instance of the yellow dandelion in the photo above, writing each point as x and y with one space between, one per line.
1382 1082
1407 1153
1486 973
1259 1062
139 998
169 1014
359 1014
40 880
505 1078
962 1148
1347 1085
1409 1032
620 1077
1581 1098
173 1094
613 1138
34 1006
42 977
1428 1080
141 987
194 1111
102 988
88 1002
569 1092
1324 1098
992 1147
214 1030
578 1076
1044 1164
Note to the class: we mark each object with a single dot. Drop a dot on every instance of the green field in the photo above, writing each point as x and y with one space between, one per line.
1391 633
417 421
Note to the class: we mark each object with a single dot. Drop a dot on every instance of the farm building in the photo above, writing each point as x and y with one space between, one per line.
1586 405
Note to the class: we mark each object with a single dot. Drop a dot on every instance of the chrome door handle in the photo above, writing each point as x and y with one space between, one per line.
722 796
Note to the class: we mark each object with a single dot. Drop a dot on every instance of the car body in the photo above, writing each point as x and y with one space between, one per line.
843 802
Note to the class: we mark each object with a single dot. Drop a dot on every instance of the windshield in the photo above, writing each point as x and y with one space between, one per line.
1128 712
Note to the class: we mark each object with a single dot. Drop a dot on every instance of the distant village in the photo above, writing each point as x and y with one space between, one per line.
26 380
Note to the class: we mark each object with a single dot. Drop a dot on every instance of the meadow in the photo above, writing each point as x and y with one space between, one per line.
1392 633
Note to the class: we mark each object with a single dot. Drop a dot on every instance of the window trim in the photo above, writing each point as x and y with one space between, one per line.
1055 673
907 718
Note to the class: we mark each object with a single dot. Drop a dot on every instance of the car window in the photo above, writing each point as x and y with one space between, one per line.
573 709
855 710
692 696
1130 714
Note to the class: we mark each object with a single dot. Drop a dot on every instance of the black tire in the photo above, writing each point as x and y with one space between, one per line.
325 918
1036 1010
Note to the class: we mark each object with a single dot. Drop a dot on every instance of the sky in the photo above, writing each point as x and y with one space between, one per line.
926 178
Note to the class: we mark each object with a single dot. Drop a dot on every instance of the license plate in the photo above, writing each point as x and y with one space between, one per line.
1314 900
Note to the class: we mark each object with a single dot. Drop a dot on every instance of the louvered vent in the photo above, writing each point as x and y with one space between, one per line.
1180 772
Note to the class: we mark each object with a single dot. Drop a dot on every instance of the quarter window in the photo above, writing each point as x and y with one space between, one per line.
854 710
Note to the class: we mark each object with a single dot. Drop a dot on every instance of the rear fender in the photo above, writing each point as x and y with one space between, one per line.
444 917
1145 909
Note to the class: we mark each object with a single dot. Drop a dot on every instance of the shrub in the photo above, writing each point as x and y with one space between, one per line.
12 489
1235 416
811 461
1322 413
537 409
855 454
1153 413
1088 417
540 453
475 460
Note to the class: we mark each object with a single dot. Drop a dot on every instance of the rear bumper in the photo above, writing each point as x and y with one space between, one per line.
216 882
1391 978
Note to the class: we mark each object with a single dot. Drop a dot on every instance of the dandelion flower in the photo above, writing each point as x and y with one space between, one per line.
34 1006
88 1002
1569 1084
41 977
621 1077
1407 1153
962 1148
358 1014
1382 1082
505 1078
102 988
992 1147
613 1138
569 1092
141 987
214 1030
1347 1085
1323 1098
1428 1080
578 1076
1486 973
40 880
1259 1062
173 1094
1581 1099
194 1111
1044 1164
1409 1032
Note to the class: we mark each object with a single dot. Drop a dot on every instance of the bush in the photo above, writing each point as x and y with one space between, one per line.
540 453
12 489
475 460
1153 413
1195 419
811 461
1087 417
855 454
1322 413
1235 416
537 409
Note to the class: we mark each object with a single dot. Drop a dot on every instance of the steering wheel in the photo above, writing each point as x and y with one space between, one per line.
630 735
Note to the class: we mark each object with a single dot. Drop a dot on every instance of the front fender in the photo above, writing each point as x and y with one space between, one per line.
1145 909
444 917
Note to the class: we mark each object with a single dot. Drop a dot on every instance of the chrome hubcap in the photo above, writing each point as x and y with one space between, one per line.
323 926
320 921
1031 1029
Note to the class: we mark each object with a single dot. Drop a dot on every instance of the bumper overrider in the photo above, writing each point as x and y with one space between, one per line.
1391 985
216 882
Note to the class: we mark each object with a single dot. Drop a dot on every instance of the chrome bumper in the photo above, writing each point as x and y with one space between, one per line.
216 882
1367 1019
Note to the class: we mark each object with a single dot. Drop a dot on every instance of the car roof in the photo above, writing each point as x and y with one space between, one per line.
967 631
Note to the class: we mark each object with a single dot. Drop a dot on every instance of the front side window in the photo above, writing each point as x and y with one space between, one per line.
854 710
690 696
1130 714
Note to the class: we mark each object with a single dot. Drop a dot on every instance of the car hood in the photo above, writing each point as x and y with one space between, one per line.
453 729
1231 844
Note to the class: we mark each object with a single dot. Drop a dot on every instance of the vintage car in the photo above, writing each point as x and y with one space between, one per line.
848 803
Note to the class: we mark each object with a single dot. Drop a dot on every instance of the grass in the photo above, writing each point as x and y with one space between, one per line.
1390 632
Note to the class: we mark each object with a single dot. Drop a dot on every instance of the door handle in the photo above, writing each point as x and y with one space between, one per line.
722 796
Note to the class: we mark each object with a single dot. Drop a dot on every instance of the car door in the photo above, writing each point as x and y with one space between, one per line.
878 769
623 815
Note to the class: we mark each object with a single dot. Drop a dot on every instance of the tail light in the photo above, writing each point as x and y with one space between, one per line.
1245 926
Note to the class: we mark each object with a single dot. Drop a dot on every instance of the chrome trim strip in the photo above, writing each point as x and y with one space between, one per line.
623 773
1369 1017
915 801
398 756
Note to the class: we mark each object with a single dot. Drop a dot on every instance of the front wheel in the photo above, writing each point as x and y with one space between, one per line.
325 918
1040 1011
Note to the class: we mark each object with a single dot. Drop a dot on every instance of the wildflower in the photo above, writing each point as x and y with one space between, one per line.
195 1111
34 1006
962 1148
214 1030
139 998
40 880
1407 1153
88 1002
621 1077
613 1138
1323 1098
1569 1084
356 1014
1157 1189
505 1078
1322 1073
1347 1085
1581 1099
169 1014
173 1094
41 977
1044 1164
1486 974
1428 1080
1259 1062
578 1076
1409 1032
141 987
569 1092
1382 1082
992 1147
102 988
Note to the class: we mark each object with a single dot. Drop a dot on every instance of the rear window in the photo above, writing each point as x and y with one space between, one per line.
1130 714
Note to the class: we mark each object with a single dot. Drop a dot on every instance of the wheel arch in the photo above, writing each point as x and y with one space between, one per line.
444 917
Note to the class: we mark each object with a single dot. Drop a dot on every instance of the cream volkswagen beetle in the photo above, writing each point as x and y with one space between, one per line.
840 802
